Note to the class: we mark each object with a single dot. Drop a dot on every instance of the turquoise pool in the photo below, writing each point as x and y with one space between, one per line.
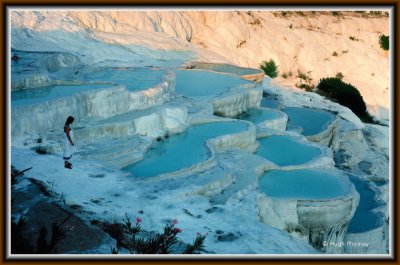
302 184
43 94
256 116
183 150
227 68
270 102
364 218
313 121
133 78
284 150
198 83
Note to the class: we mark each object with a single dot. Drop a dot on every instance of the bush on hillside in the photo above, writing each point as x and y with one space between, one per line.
384 42
346 95
270 68
128 235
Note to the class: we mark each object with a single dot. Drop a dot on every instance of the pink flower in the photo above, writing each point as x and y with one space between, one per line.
174 221
138 220
177 230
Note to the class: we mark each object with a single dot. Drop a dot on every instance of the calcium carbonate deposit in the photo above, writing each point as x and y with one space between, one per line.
175 120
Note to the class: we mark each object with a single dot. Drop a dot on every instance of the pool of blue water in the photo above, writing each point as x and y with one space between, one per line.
256 116
43 94
270 103
284 150
364 219
27 62
227 68
197 83
133 78
302 184
182 150
313 121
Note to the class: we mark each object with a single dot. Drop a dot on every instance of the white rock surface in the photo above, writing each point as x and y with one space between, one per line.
228 179
322 223
237 102
296 42
50 115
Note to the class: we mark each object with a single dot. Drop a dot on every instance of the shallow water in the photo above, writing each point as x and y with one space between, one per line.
43 94
198 83
270 103
285 150
313 121
133 78
302 184
182 150
256 116
364 219
227 68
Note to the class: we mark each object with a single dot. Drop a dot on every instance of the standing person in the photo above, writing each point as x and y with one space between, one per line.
69 149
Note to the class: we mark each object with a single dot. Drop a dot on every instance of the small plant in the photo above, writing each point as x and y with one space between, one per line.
270 68
160 243
284 13
291 26
19 242
353 38
308 88
303 76
287 74
47 247
345 51
335 13
256 22
339 75
384 42
241 43
15 173
334 54
305 82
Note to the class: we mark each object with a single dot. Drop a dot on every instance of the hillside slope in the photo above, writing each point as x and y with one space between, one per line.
318 44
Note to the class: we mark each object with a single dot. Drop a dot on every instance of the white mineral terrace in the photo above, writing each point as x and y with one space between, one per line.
164 132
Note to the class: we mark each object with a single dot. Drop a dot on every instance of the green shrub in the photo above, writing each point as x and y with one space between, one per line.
384 42
306 87
343 93
270 68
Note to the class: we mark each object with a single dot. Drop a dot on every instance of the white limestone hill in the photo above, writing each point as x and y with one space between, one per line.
318 44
